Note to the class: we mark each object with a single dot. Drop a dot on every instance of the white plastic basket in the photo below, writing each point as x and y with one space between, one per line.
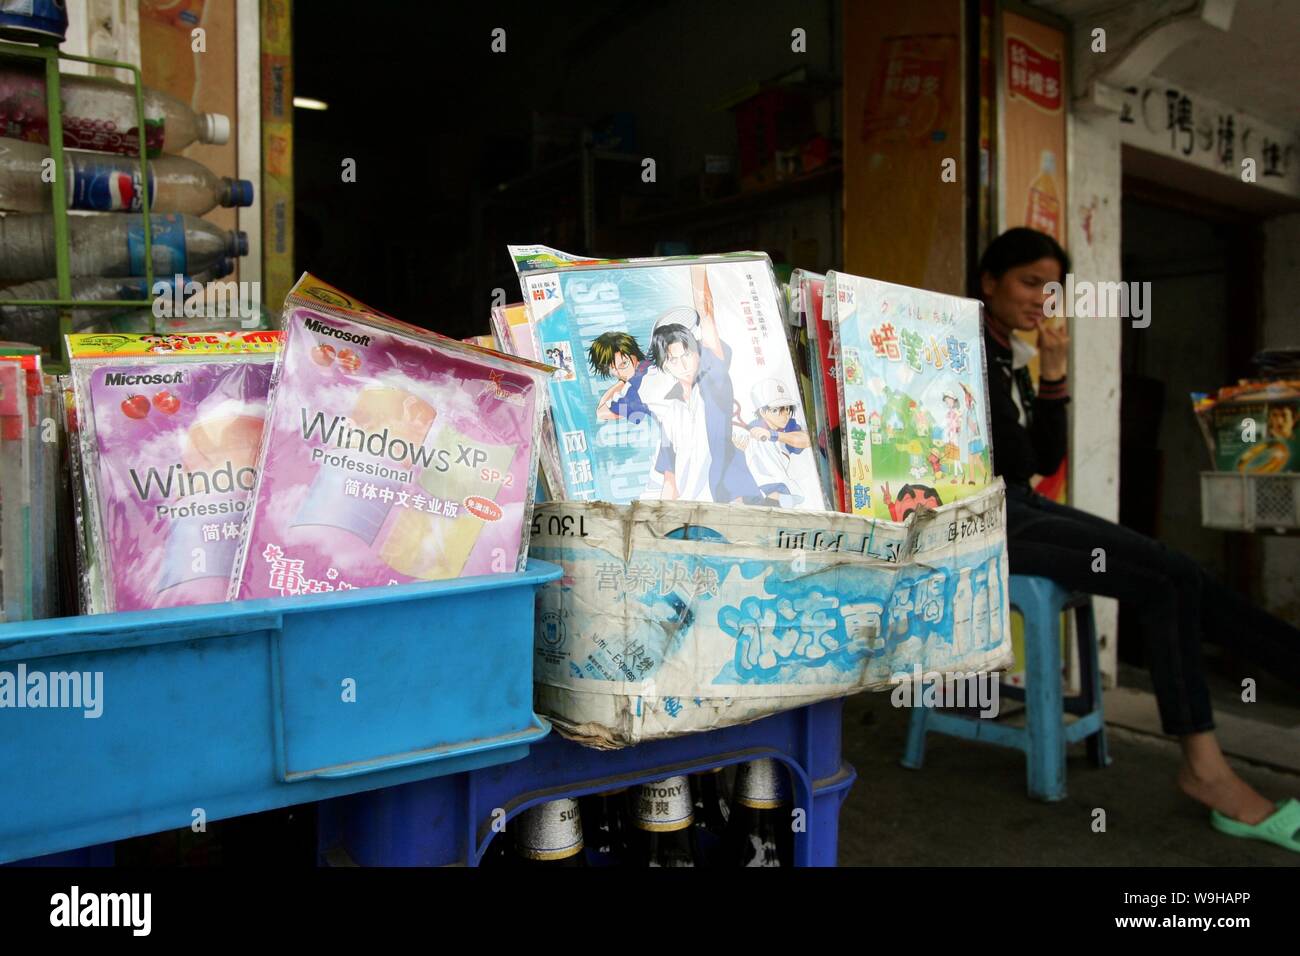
1236 501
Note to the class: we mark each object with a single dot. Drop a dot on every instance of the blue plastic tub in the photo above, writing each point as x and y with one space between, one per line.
231 709
450 820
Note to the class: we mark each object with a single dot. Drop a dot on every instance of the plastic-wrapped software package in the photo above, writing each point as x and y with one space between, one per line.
30 437
510 330
72 531
15 494
169 427
913 395
809 294
392 455
512 335
801 350
676 381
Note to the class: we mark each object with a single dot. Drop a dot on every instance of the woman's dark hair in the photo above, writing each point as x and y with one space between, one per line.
1019 247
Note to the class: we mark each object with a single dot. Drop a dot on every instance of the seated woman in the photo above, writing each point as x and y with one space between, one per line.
1175 602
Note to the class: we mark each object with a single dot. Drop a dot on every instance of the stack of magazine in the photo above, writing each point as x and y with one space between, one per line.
700 378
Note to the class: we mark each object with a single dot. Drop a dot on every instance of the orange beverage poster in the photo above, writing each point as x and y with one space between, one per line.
1033 185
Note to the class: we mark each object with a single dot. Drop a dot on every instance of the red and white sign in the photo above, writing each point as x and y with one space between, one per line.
1033 75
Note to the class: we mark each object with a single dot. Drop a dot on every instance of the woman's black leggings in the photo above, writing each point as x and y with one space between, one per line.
1176 602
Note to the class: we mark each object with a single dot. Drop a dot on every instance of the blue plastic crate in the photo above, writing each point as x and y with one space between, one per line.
449 820
237 708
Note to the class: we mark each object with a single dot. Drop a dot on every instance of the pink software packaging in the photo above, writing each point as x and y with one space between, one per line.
391 454
170 431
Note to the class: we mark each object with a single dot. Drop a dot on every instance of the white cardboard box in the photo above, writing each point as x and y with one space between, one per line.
676 617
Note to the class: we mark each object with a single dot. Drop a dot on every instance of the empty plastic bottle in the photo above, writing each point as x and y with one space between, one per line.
114 245
37 323
31 323
100 183
99 114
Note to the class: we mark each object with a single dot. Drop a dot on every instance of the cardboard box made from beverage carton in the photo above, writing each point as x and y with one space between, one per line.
677 617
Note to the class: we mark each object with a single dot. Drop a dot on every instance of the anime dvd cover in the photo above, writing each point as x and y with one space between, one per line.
677 381
913 395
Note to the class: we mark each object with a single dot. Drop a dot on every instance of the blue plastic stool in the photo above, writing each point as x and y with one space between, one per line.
1045 734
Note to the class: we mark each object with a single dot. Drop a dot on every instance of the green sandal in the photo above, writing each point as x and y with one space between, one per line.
1282 828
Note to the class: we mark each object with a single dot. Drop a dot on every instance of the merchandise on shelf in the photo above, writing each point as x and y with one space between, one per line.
392 454
76 567
39 324
34 21
31 444
798 335
676 617
100 114
913 395
114 245
170 428
96 182
677 380
1252 427
15 491
510 330
810 292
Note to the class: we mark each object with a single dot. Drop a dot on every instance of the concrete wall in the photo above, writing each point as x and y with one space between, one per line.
1094 223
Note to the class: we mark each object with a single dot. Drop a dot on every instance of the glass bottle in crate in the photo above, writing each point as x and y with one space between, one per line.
550 834
711 812
760 831
664 824
606 827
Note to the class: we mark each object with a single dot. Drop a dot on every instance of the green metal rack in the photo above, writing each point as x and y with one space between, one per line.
51 56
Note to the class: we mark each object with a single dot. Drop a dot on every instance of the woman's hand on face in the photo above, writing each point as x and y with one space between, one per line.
1053 349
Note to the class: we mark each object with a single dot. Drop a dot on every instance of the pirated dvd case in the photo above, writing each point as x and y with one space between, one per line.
392 455
169 427
676 378
31 482
913 395
808 290
15 494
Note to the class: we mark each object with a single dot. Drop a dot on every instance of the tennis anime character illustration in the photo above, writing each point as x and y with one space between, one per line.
688 390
